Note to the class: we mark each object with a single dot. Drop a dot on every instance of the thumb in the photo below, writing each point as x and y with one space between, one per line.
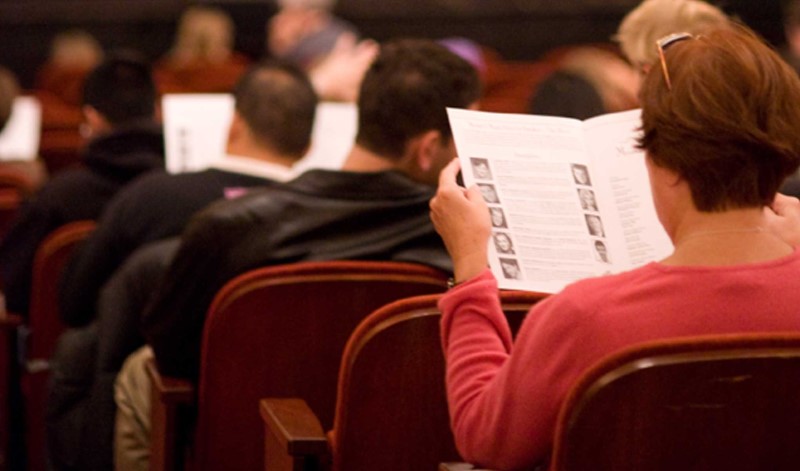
475 196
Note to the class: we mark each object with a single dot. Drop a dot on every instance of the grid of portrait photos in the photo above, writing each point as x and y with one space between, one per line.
503 243
588 201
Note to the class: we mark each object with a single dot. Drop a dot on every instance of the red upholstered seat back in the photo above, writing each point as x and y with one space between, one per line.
722 402
48 265
280 332
391 410
44 324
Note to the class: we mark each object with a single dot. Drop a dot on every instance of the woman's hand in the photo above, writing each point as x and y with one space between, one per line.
461 218
783 218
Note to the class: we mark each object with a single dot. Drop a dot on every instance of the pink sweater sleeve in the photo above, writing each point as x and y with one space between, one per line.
503 407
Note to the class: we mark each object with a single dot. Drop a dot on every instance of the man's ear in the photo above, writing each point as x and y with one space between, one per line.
97 123
428 146
236 128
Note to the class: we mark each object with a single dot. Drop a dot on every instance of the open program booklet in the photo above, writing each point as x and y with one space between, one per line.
569 199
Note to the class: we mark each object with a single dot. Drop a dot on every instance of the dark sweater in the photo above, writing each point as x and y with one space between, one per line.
110 162
153 208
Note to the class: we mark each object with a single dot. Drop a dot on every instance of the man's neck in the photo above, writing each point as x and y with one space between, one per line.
261 154
362 160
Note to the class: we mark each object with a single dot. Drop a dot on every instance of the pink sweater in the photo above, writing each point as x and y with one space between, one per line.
503 406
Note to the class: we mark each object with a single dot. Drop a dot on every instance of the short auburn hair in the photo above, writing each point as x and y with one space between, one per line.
729 123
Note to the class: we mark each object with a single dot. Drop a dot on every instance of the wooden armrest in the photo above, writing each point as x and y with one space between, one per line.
169 390
167 396
293 437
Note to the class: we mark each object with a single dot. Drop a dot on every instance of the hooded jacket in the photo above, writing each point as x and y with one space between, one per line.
109 162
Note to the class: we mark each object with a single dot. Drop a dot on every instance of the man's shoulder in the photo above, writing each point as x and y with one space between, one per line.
71 185
252 204
390 184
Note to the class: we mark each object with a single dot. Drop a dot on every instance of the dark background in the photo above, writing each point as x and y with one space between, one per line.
517 29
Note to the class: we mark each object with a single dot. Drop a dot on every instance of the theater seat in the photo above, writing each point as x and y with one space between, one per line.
37 337
715 402
391 408
276 331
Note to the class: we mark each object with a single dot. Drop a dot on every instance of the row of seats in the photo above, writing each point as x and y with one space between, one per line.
32 344
352 377
716 402
267 337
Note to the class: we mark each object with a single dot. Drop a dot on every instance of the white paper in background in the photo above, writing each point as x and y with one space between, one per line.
333 135
196 129
20 137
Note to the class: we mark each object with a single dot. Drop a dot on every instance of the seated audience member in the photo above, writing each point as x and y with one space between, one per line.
308 34
376 208
125 142
590 81
19 175
791 28
271 127
9 89
73 54
791 54
719 132
59 87
202 59
655 19
270 131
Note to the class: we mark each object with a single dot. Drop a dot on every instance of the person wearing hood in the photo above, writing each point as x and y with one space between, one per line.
125 141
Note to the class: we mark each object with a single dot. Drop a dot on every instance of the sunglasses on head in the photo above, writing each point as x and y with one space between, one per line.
662 45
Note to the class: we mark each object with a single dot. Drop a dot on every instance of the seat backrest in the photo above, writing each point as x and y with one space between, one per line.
280 332
48 265
44 327
391 410
724 402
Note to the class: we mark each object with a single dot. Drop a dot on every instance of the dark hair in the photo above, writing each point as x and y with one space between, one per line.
405 92
121 88
277 101
791 13
566 94
728 125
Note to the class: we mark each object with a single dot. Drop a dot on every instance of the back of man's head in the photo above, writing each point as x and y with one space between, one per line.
278 103
121 89
405 92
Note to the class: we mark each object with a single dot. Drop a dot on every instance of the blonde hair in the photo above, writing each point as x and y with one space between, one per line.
204 33
75 48
654 19
313 4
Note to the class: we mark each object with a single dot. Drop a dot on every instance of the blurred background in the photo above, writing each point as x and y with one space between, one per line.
517 29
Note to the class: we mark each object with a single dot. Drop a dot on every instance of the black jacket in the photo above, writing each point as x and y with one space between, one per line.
110 162
321 215
152 208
